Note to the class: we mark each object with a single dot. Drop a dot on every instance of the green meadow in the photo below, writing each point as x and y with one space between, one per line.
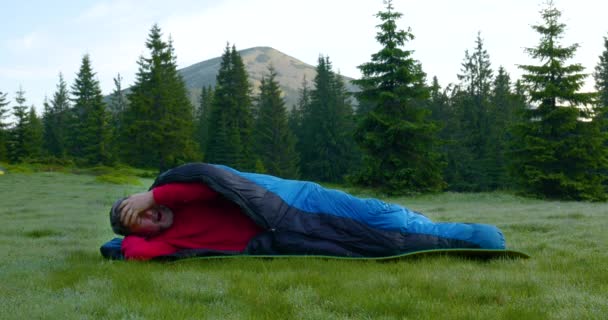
53 223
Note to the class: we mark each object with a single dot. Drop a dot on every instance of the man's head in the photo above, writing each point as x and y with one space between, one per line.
148 223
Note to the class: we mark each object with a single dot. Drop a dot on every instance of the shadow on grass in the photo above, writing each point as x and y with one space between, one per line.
574 216
42 233
529 227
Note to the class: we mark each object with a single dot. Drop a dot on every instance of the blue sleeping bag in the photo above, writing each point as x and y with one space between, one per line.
303 218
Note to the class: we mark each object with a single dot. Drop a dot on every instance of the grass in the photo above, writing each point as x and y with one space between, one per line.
50 267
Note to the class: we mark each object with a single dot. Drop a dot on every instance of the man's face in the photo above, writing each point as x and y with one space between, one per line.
152 221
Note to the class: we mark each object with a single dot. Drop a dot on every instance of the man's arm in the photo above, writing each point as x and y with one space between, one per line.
138 248
176 194
170 195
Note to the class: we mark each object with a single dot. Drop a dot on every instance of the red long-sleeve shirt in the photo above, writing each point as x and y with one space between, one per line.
201 219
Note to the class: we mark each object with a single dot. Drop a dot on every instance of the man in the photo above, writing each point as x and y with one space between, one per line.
180 216
202 209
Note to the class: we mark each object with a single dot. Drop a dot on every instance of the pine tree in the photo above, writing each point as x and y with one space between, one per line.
55 120
17 149
275 143
91 134
559 155
158 123
231 122
396 137
3 126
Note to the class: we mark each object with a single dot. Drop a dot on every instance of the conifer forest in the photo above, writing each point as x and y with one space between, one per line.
400 132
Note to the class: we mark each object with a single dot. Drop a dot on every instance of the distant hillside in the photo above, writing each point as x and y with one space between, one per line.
290 72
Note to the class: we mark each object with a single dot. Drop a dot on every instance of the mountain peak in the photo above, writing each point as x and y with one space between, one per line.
290 72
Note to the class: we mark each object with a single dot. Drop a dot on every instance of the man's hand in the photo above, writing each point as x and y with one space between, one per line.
131 207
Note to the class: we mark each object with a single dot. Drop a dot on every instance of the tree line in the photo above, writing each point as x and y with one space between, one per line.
400 133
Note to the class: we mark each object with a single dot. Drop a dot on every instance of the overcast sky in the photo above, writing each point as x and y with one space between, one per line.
40 39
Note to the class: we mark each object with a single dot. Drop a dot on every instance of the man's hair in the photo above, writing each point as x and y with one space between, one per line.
117 226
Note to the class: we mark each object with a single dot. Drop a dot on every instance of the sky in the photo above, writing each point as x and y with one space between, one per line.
40 39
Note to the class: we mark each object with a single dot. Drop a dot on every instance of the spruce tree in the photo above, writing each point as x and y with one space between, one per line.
243 118
460 172
117 105
91 139
326 145
3 126
601 76
345 152
178 145
34 132
316 126
218 149
139 127
158 123
297 111
118 100
17 144
46 127
476 81
203 112
559 155
601 85
396 137
443 115
274 141
231 122
505 107
438 102
296 116
56 120
117 108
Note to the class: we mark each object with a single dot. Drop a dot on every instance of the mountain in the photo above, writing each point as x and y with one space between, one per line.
290 72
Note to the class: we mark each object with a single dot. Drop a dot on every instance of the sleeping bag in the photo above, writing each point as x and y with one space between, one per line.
303 218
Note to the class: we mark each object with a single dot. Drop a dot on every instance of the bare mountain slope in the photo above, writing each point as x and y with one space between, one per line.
290 72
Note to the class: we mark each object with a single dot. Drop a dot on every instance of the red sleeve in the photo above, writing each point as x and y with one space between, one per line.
138 248
179 193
